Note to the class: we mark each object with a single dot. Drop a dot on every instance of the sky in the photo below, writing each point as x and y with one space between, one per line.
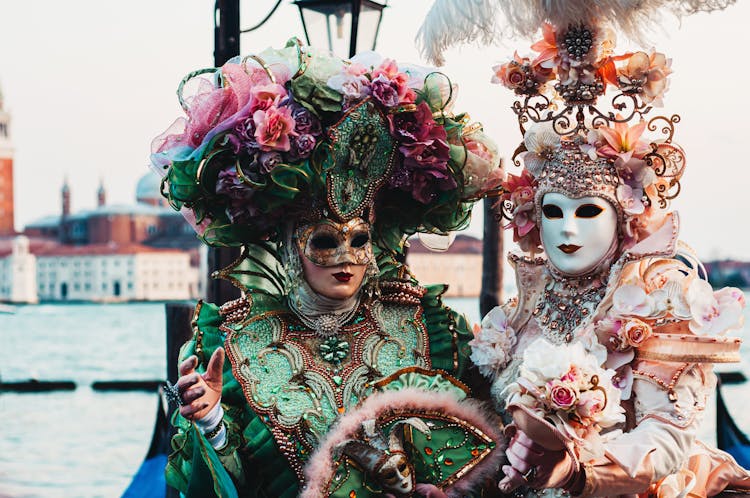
89 83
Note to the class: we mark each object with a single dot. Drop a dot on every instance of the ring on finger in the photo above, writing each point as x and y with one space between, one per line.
172 392
530 474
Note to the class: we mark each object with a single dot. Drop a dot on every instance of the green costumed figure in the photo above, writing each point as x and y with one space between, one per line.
344 377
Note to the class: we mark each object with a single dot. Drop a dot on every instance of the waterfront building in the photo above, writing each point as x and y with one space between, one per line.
18 273
139 252
113 272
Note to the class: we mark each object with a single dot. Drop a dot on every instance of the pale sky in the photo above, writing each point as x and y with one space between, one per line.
89 83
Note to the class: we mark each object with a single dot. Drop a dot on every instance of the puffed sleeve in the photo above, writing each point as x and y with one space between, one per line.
669 401
249 464
190 466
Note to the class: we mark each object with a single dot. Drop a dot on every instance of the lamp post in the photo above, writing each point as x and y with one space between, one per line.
338 23
226 46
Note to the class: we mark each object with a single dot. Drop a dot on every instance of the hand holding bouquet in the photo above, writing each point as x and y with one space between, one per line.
567 387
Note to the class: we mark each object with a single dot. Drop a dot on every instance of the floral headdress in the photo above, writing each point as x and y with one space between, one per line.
297 134
575 147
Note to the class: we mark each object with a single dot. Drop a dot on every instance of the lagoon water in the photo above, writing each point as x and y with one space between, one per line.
89 444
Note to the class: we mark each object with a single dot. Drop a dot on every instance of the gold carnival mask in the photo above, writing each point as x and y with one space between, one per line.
330 243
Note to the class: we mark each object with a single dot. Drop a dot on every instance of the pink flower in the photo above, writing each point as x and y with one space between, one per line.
631 300
523 219
355 69
608 332
648 73
591 403
480 164
351 85
273 127
520 191
562 395
572 375
264 96
630 199
388 69
493 342
208 108
714 313
623 144
635 332
513 74
523 195
547 47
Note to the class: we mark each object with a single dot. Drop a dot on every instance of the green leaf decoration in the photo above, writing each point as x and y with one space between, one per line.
316 98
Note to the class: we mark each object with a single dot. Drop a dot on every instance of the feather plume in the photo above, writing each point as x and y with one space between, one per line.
450 22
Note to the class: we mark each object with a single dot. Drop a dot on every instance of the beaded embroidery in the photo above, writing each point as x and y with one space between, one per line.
564 305
298 382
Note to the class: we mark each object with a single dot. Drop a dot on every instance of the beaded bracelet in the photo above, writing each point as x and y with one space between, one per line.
215 431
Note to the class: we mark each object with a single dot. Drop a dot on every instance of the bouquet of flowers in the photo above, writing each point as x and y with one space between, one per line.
567 385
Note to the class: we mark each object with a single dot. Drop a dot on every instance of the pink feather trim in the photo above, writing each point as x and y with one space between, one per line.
320 467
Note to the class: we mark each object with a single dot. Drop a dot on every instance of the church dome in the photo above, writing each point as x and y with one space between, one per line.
147 190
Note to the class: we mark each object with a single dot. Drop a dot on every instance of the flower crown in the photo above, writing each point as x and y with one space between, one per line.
290 132
558 91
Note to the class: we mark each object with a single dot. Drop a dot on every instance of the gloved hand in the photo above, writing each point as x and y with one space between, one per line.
534 466
200 392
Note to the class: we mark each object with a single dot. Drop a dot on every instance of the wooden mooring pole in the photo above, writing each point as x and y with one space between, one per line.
179 316
492 263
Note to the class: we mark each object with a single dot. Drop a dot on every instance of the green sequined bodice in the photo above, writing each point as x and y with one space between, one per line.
298 382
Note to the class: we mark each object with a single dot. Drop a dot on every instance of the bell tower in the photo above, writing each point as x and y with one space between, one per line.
7 216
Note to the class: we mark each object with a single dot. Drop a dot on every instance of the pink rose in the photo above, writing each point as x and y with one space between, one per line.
591 403
635 332
262 97
388 70
562 395
273 127
516 73
522 195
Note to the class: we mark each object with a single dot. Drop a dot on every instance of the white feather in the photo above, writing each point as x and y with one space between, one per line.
450 22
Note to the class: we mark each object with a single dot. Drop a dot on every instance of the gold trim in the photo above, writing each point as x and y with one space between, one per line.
197 332
472 128
303 58
262 63
424 371
690 348
403 108
730 357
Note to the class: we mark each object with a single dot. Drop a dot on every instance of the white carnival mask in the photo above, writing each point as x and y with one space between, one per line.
577 234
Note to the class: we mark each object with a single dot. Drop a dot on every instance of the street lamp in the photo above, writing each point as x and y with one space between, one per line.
328 22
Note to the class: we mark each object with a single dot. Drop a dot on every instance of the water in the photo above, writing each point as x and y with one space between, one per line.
79 443
84 443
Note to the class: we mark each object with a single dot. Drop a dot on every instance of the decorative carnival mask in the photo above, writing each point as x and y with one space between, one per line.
383 456
577 233
331 243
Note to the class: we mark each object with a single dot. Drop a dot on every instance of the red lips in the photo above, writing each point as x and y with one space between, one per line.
343 276
568 248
